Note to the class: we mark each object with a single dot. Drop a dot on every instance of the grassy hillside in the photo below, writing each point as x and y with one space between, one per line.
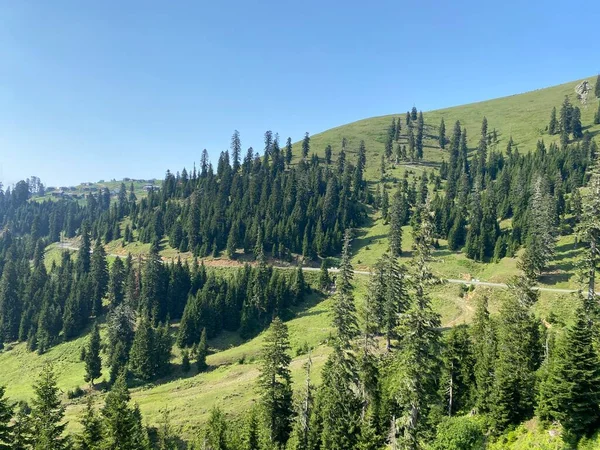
523 116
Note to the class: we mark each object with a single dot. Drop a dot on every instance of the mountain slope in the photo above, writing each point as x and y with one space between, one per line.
522 116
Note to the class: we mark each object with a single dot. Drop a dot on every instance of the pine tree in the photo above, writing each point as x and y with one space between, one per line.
396 222
10 303
93 363
6 413
215 432
288 151
324 279
99 278
395 296
597 87
236 150
541 237
574 379
251 433
275 381
301 431
344 309
141 356
457 371
442 135
305 145
91 436
47 413
202 352
118 420
484 353
588 231
419 137
417 360
83 254
553 125
576 127
512 398
116 283
22 438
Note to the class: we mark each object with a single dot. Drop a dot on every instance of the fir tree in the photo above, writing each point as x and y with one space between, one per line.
324 279
597 87
93 363
202 352
83 254
275 381
99 278
116 283
47 413
484 353
6 413
215 432
456 381
91 436
118 420
141 356
442 135
301 431
553 125
397 213
512 398
573 394
10 304
305 145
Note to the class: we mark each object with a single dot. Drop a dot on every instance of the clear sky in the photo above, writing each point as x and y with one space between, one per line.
108 89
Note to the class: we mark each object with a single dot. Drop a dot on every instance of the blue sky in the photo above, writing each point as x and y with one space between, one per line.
107 89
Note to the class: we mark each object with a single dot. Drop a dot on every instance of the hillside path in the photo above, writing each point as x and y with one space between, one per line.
475 282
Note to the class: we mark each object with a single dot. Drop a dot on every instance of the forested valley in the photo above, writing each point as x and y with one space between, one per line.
393 376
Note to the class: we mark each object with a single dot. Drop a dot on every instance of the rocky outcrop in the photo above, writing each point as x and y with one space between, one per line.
582 90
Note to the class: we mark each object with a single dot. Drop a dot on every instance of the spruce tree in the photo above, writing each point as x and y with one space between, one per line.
396 222
99 278
417 360
275 381
141 356
553 125
305 145
512 398
301 429
456 382
6 413
597 87
10 303
324 279
588 231
215 432
344 310
541 237
93 363
573 397
442 135
202 352
91 436
483 336
118 420
395 296
116 283
47 413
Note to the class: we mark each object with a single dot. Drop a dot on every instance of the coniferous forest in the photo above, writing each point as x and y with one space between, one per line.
393 377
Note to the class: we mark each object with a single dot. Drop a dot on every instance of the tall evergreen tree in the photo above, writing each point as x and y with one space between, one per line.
442 135
275 381
91 436
99 278
83 254
553 125
6 413
484 352
202 352
47 413
118 419
93 363
10 303
572 396
397 214
305 145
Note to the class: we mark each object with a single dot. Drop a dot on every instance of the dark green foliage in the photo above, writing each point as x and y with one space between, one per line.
442 136
91 436
570 394
150 351
6 414
93 363
202 352
99 278
214 436
457 377
10 305
484 353
459 433
512 398
305 146
47 413
275 381
324 278
120 423
553 125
